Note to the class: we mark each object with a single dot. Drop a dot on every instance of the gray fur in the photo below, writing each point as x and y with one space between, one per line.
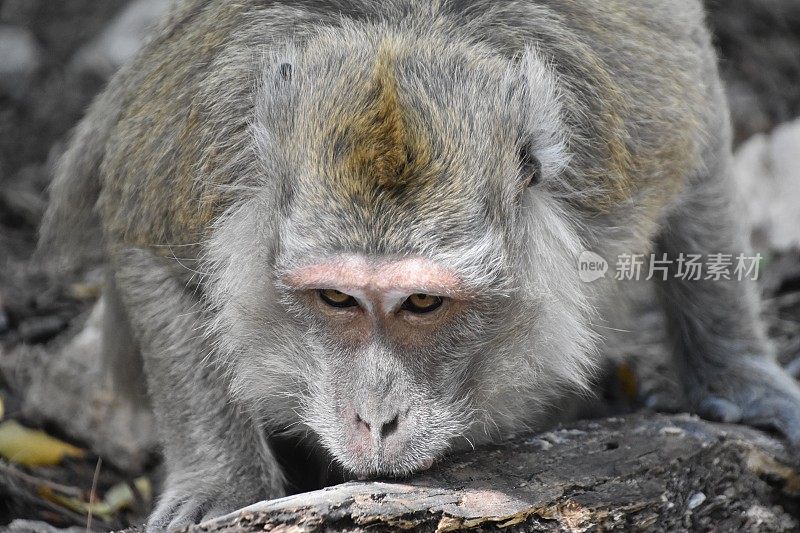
213 169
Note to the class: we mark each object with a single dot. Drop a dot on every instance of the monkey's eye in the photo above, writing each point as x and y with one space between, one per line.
422 303
336 298
530 167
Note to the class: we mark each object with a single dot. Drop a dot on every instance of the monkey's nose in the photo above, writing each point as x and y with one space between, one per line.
378 426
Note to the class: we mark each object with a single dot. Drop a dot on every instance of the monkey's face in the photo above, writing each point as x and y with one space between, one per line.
394 338
396 286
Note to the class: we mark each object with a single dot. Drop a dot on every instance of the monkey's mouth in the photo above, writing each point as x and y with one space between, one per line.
425 465
393 469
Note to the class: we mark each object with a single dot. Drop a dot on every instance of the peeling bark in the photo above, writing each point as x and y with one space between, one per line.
653 472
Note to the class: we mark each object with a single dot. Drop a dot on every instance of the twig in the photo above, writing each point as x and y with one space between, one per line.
92 494
33 481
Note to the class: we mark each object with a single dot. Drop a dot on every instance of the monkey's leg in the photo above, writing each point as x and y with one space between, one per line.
720 348
121 355
217 458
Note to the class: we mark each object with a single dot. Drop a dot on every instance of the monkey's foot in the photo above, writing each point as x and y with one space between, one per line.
758 393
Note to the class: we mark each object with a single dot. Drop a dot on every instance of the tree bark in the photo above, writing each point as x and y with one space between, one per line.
643 472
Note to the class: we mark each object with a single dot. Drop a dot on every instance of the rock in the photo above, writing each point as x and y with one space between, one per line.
121 39
21 59
663 473
41 329
21 197
34 526
21 207
66 384
767 173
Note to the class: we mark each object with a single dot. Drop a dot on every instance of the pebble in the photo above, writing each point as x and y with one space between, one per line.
672 431
560 436
539 443
695 500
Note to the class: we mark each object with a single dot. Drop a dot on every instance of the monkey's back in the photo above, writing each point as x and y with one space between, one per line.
173 127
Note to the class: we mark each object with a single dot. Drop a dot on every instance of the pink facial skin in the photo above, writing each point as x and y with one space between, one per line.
380 287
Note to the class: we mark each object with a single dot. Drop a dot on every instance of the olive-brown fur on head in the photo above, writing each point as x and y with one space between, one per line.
405 148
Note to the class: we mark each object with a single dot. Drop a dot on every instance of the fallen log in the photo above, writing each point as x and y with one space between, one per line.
642 472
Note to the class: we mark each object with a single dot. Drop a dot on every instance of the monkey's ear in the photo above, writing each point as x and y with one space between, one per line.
529 165
286 71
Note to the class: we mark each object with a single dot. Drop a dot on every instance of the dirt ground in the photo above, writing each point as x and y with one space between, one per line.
759 43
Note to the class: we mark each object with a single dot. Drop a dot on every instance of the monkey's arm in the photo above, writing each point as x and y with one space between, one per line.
720 348
217 457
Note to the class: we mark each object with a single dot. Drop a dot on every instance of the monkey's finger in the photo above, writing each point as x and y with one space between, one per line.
172 513
719 409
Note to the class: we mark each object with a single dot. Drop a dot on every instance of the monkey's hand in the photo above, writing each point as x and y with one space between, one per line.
177 508
755 391
201 495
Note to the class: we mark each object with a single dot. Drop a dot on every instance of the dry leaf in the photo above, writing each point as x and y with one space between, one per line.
120 496
31 447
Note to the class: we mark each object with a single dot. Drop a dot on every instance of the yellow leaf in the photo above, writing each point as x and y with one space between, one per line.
144 487
120 496
117 498
31 447
99 509
2 408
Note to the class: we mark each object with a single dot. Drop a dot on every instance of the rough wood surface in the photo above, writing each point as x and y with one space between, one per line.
651 472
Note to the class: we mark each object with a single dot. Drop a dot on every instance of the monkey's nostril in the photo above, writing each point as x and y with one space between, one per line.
390 427
377 431
361 423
